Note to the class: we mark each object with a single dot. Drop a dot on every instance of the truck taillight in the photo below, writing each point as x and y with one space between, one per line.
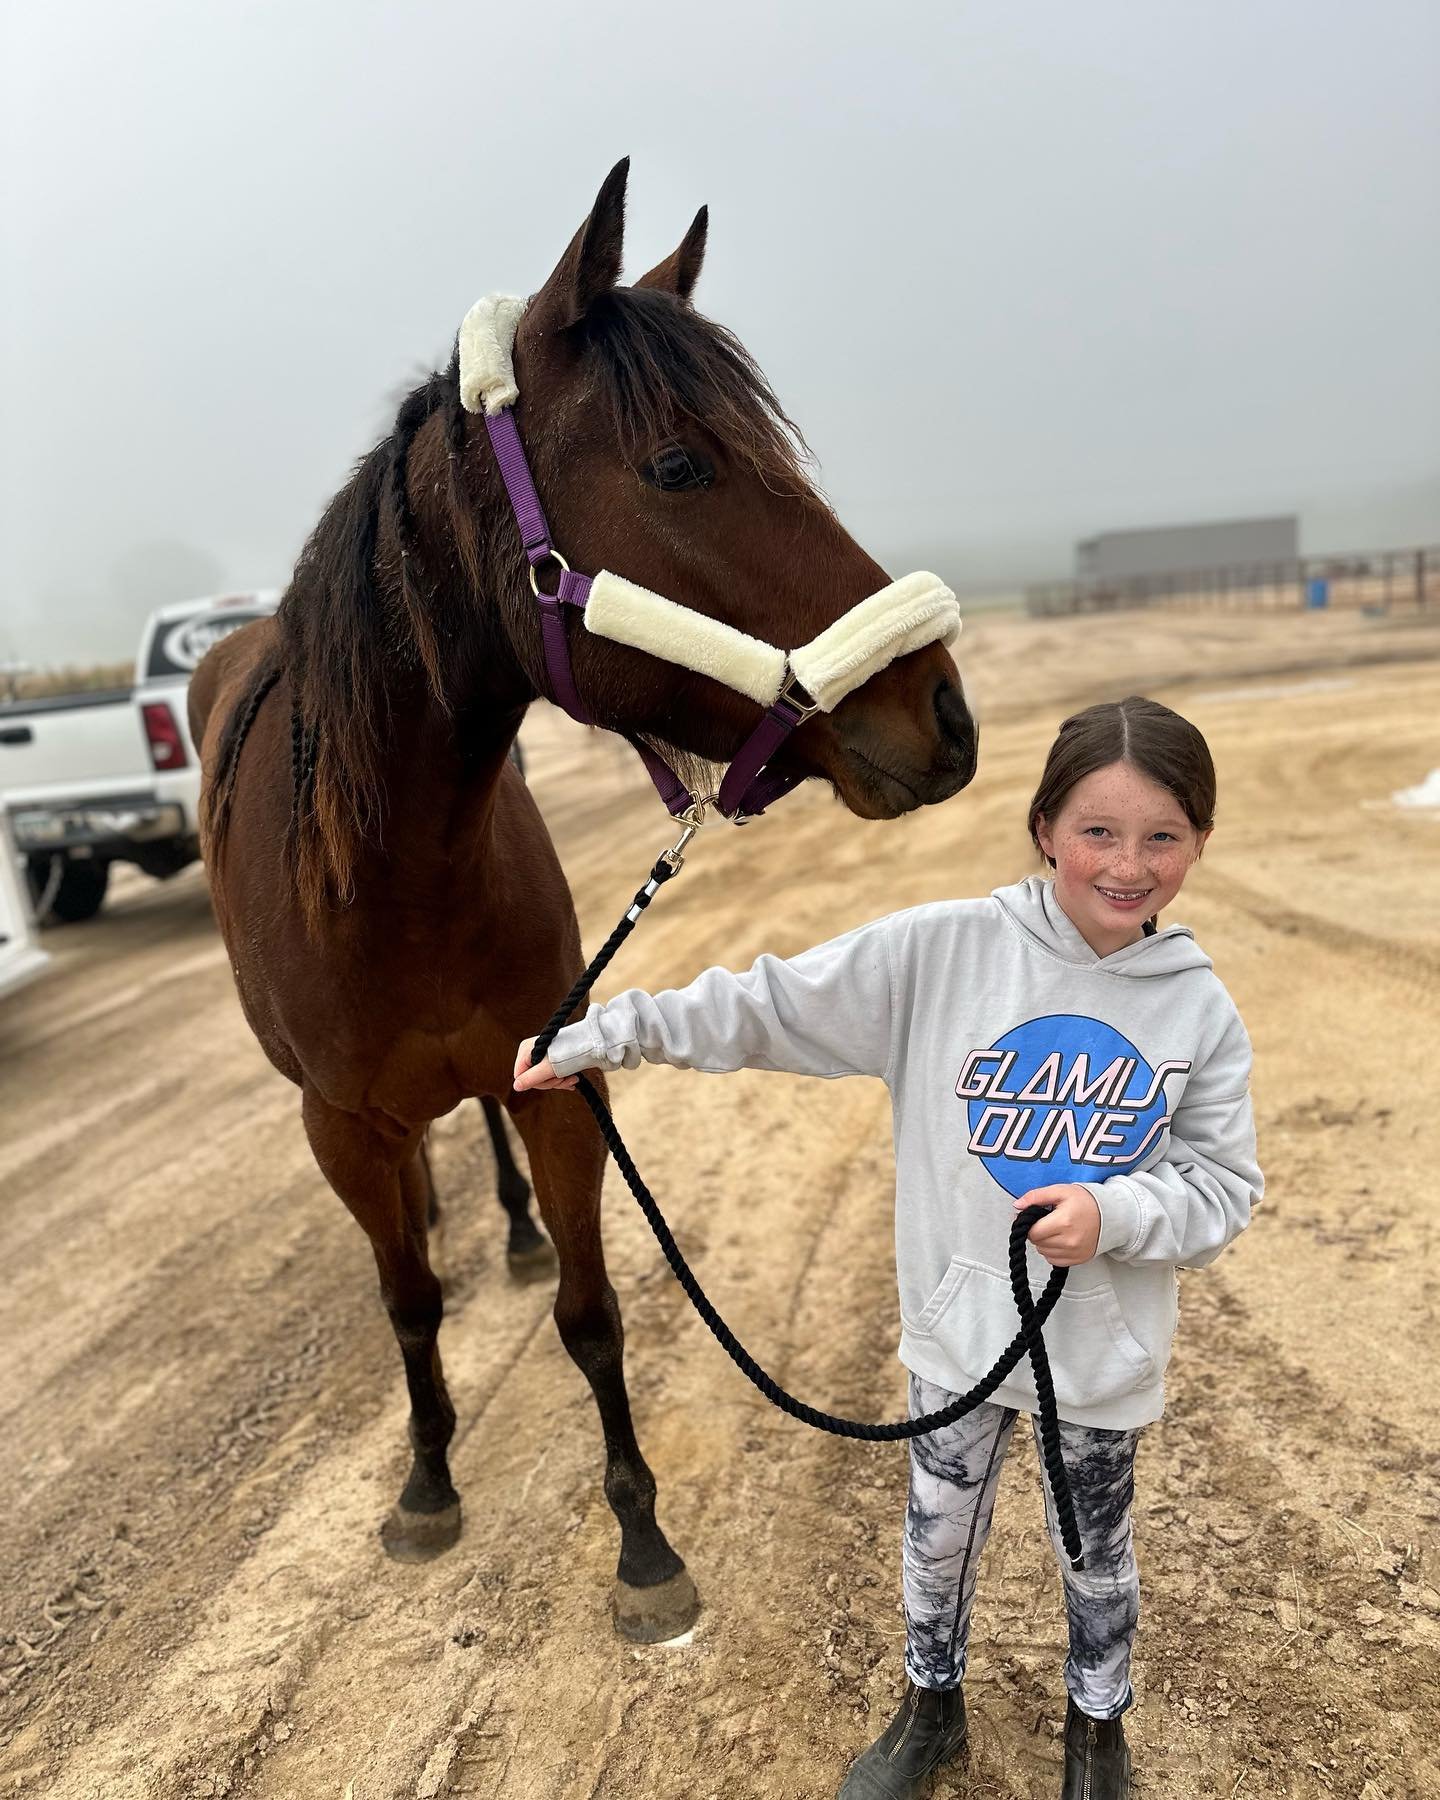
167 747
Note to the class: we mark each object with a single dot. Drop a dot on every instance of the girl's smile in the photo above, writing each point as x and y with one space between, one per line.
1122 847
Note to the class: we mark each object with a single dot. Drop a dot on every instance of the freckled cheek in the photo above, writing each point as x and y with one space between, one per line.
1082 861
1171 869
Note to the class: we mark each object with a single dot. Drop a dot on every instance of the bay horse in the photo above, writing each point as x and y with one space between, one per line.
396 916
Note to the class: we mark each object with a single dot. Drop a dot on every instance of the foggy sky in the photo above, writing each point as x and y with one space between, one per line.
1022 273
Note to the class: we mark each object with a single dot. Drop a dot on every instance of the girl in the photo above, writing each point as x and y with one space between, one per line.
1048 1045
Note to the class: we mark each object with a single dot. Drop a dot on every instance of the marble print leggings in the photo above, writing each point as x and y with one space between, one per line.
954 1473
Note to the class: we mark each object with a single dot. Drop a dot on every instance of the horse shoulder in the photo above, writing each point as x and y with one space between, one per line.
222 676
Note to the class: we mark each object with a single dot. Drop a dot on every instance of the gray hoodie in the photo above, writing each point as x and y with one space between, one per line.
1015 1057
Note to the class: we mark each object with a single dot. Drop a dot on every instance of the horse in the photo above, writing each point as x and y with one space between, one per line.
394 909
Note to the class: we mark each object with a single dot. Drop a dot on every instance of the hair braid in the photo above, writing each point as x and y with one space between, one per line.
220 792
414 412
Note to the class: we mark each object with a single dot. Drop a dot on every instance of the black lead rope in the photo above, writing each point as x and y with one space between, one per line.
1033 1314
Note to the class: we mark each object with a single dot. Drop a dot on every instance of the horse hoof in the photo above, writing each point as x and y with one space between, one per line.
537 1263
412 1537
652 1615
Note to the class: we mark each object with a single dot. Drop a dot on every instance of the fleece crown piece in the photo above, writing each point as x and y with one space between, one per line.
487 353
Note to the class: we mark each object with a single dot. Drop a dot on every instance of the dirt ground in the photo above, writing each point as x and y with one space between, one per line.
204 1409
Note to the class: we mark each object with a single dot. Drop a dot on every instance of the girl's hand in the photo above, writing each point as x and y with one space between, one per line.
1070 1232
542 1075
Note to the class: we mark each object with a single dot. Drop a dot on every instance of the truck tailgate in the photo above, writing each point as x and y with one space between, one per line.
79 746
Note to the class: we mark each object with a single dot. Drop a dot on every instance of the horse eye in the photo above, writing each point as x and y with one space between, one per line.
675 469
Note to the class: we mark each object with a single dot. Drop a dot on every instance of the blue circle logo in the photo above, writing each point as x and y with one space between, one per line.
1063 1098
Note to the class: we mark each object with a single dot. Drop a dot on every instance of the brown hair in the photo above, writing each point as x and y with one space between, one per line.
1150 737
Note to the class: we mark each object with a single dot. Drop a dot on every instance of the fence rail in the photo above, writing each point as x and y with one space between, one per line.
1372 581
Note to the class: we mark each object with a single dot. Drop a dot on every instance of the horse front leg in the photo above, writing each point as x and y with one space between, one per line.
386 1185
654 1597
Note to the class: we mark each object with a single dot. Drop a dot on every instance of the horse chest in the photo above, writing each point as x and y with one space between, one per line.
411 1075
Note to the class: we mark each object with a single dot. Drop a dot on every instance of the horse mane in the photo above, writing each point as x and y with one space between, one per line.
357 611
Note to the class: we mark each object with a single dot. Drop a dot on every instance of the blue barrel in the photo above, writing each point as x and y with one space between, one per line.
1317 592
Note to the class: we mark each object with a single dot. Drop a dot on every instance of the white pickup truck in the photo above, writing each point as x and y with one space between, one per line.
91 779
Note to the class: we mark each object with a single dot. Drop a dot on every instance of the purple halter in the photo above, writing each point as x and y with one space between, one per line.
746 789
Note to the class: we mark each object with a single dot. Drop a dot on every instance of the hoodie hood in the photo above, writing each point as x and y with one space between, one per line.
1033 912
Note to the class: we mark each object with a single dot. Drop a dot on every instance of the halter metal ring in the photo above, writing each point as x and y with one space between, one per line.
551 555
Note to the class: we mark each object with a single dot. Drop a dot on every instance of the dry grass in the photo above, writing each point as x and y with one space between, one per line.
41 684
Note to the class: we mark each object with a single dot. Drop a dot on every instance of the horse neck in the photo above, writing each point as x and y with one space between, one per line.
438 777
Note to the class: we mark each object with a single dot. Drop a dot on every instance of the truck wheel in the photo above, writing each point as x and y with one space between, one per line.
166 858
78 894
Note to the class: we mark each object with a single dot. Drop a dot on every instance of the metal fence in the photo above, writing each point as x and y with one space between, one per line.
1372 581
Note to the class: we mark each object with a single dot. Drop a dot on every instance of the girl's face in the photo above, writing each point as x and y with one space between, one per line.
1122 847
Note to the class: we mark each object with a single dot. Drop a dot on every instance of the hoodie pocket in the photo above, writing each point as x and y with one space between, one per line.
943 1295
971 1317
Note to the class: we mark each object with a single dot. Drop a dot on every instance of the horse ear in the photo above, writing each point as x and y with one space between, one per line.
681 269
591 265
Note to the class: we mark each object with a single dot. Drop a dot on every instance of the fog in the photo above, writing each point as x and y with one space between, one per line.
1021 274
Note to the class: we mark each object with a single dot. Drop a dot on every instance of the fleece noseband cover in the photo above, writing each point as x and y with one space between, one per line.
910 613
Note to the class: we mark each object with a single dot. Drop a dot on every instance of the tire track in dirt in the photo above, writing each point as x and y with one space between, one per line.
1410 965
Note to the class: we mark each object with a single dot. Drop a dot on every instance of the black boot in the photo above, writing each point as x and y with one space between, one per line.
1097 1759
928 1730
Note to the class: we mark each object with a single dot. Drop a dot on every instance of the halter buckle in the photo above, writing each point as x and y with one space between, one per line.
806 707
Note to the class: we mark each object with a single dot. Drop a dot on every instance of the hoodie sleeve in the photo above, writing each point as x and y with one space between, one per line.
1186 1208
827 1011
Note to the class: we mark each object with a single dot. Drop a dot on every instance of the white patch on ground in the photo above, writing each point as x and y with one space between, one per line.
1427 795
683 1642
1278 690
1423 799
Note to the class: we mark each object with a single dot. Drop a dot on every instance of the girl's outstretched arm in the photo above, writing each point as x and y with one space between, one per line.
828 1011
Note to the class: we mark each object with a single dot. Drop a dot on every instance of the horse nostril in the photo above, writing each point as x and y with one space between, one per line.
953 716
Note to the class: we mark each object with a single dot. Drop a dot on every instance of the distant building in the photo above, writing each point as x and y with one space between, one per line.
1182 549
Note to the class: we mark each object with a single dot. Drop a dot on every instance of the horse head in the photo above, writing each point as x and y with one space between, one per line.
660 452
